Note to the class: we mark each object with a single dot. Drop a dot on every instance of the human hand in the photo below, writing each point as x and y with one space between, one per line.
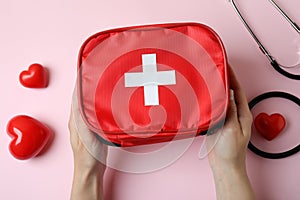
89 166
228 157
79 132
230 149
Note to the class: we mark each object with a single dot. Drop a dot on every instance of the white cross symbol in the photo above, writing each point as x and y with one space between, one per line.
150 79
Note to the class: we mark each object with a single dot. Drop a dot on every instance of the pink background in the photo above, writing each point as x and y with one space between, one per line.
51 33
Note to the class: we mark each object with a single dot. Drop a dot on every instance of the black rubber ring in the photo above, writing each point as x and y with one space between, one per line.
260 98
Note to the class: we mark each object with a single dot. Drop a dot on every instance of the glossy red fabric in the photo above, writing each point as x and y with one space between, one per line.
197 101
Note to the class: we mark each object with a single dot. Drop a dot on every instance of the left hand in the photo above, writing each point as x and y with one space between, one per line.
89 164
83 157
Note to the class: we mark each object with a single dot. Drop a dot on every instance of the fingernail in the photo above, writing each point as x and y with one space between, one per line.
231 94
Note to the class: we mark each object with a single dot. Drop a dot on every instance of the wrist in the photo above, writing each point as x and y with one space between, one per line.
219 164
88 182
232 183
229 171
224 166
89 167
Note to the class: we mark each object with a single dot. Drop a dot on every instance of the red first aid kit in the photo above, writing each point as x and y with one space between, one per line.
153 83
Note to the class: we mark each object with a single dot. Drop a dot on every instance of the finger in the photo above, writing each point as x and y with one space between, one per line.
243 111
78 122
74 104
231 123
73 109
232 110
239 95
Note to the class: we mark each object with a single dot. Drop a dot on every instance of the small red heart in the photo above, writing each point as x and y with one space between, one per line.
35 77
269 126
29 136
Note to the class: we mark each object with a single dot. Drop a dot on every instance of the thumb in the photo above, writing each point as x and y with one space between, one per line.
232 110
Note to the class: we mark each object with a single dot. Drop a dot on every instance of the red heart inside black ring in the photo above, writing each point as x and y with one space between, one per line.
260 98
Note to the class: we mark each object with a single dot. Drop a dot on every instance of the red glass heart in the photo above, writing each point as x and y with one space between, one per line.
35 77
29 136
269 126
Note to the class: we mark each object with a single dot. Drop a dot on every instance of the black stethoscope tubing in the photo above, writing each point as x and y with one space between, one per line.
272 61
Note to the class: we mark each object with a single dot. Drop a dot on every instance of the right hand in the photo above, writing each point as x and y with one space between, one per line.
230 149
